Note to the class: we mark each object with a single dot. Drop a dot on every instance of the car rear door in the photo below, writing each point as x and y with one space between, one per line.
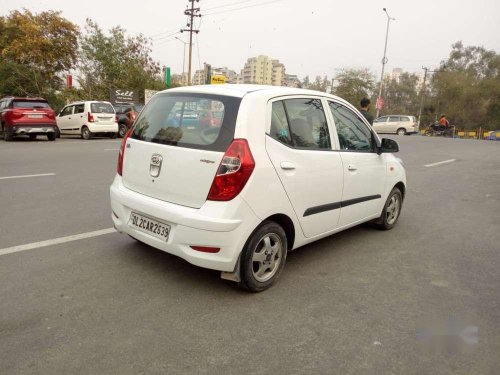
300 148
78 118
393 124
364 170
175 163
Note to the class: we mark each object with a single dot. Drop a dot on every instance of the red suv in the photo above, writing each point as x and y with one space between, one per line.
27 116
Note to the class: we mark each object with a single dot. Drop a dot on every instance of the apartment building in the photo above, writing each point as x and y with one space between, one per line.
262 70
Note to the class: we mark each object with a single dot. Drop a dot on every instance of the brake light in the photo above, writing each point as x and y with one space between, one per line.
116 118
90 117
51 115
119 167
234 171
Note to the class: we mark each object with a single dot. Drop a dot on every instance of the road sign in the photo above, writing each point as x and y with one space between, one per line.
167 76
218 79
380 103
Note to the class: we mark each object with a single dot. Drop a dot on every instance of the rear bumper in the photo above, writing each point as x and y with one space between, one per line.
103 128
20 129
225 225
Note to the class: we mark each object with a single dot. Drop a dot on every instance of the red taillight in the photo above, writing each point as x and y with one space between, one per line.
234 171
116 118
90 117
51 115
119 167
206 249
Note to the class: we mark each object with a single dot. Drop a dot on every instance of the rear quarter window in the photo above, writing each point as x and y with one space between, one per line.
181 119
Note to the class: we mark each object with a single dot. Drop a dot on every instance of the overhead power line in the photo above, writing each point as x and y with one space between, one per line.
243 7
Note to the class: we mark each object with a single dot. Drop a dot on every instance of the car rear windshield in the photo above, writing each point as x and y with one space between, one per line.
181 120
30 104
101 108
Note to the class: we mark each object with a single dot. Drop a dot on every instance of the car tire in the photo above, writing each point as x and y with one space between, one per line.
122 130
391 212
401 131
113 135
51 136
8 137
32 137
58 132
86 133
263 257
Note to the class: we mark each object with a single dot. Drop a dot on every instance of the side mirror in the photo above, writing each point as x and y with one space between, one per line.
389 145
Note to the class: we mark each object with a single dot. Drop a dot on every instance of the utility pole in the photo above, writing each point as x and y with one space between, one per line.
384 61
422 95
192 13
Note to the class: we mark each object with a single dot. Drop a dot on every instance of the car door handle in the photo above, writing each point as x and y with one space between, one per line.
352 167
287 165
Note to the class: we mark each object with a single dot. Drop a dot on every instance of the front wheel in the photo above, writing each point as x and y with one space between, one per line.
401 131
392 210
263 257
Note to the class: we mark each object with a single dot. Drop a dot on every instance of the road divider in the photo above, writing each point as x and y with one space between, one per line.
56 241
27 176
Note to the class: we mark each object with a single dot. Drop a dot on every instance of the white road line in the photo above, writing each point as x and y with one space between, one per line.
56 241
27 176
440 162
111 149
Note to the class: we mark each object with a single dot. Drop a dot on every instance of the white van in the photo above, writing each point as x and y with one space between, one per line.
88 119
282 168
396 124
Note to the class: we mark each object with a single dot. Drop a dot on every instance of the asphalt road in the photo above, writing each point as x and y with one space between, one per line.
360 302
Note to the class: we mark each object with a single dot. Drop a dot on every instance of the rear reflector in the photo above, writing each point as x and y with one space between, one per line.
206 249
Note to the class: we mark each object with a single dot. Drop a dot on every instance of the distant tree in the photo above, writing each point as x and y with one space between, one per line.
354 85
35 50
401 96
467 88
115 60
305 82
319 84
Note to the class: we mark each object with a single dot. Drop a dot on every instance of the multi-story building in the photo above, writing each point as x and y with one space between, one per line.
262 70
231 75
199 77
291 80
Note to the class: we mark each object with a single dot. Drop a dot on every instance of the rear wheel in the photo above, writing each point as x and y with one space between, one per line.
113 135
32 137
7 136
51 136
122 131
86 133
401 131
392 209
58 132
263 257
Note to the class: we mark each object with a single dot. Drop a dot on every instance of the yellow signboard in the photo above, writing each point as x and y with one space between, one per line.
216 80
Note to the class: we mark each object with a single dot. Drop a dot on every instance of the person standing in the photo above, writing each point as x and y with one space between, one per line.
365 107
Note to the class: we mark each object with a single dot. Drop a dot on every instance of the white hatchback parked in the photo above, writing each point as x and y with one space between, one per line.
283 168
88 119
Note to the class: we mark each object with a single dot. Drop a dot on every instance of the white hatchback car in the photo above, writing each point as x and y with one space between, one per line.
396 124
285 167
88 119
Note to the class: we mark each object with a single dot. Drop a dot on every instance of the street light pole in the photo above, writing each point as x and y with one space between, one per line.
183 57
384 61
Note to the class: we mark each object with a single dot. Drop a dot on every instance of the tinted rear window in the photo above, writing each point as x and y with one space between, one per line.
30 104
101 108
181 120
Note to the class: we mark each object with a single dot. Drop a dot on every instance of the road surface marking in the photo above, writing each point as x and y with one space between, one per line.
440 162
56 241
111 149
27 176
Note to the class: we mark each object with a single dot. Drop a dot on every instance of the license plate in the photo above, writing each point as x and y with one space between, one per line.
149 226
35 116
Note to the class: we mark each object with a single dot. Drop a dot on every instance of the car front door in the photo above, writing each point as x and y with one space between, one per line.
393 125
64 119
364 169
299 145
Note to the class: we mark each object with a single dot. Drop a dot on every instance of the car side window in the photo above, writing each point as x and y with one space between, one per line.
394 119
67 111
279 124
352 132
307 122
405 118
79 108
381 119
